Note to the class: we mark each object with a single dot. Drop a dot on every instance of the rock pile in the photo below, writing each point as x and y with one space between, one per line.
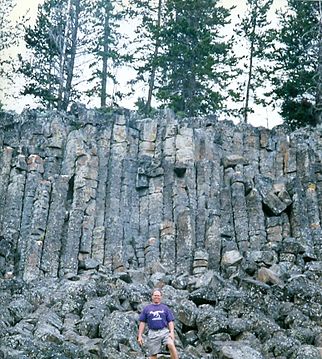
97 209
95 314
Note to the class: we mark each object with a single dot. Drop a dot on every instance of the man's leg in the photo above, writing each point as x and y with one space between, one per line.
153 345
173 351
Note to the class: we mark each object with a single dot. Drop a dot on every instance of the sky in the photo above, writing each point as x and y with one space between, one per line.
267 117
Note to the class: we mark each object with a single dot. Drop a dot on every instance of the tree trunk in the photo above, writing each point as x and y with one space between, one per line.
155 54
250 69
105 53
71 62
62 57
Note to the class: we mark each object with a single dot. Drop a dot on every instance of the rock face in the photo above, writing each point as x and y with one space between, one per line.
97 209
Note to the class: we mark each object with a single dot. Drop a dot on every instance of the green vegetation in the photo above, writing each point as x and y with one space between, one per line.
178 54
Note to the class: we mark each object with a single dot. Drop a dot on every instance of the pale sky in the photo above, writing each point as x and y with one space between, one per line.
26 5
261 117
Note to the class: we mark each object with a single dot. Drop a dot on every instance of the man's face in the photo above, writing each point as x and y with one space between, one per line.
156 297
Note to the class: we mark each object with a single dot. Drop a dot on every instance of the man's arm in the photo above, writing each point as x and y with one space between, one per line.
171 329
140 332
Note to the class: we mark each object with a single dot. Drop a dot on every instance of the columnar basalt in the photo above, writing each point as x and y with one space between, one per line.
96 209
126 192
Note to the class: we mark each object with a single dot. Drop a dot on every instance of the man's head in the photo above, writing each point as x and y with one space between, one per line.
156 296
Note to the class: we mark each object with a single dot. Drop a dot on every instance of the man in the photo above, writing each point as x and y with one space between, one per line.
160 321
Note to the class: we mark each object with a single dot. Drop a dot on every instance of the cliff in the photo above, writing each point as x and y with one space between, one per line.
226 218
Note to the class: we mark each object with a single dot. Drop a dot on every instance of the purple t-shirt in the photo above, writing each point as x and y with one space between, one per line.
157 316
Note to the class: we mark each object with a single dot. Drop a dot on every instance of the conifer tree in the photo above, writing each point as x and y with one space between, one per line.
298 81
105 48
148 14
253 31
182 57
53 44
193 58
155 28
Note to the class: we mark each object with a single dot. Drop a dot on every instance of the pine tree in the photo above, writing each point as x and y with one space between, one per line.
193 58
253 30
67 51
298 83
53 43
105 48
39 70
181 57
155 28
148 14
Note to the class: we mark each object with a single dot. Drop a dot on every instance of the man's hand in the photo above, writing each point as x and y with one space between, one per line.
140 340
171 334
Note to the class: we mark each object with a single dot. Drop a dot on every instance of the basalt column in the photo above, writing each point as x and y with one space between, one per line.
119 193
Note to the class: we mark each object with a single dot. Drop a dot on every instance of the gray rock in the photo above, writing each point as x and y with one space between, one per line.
239 351
97 208
233 160
92 314
187 313
307 352
231 258
210 321
268 276
119 328
19 308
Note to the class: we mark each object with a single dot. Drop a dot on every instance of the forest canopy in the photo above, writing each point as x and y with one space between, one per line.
192 56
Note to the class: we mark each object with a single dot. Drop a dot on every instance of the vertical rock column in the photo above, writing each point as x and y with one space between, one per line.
12 216
266 153
56 137
69 249
231 141
239 211
57 215
184 200
4 178
156 184
251 152
151 192
103 152
34 177
6 157
84 203
299 211
256 216
313 246
313 199
88 171
130 214
282 152
314 221
213 239
80 166
114 249
168 229
38 226
130 204
226 218
56 142
256 220
203 181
